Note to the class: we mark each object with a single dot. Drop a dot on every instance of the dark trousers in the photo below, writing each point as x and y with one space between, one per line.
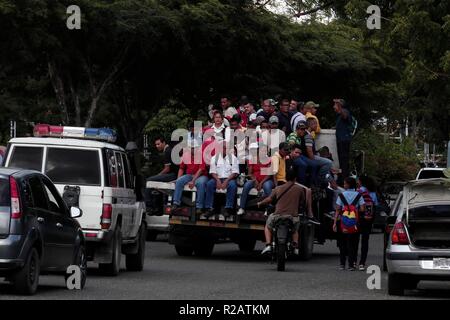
343 149
348 248
365 228
154 199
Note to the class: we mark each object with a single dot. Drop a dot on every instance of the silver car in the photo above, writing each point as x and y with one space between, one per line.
419 242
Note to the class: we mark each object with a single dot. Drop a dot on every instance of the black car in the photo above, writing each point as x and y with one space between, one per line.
38 233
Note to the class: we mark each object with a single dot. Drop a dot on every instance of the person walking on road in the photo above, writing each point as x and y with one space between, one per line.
349 206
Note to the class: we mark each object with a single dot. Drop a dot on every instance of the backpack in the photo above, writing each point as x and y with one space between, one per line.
368 214
350 215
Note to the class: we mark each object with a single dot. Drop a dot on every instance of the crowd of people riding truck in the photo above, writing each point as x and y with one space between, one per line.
273 149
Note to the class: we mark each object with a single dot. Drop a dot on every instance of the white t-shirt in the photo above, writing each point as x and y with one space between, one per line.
229 112
223 167
295 119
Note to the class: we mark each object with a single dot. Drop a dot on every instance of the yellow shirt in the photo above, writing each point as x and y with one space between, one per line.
313 133
279 167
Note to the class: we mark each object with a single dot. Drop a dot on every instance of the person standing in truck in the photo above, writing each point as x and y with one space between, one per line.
343 135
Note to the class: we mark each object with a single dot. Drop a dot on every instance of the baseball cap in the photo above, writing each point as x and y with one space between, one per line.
273 119
301 124
312 104
272 102
259 119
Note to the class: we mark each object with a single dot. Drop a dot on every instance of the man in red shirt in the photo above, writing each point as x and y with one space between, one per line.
258 178
193 173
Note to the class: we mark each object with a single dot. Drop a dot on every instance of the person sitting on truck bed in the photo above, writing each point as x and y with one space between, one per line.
224 168
289 196
167 174
259 178
193 173
279 164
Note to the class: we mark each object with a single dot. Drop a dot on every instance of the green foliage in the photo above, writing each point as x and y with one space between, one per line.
387 159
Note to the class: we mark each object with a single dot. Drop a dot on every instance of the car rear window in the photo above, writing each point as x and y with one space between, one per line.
431 174
73 166
429 212
26 158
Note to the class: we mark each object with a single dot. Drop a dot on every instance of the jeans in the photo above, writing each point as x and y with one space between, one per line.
313 165
249 185
153 199
343 149
200 185
300 168
324 165
211 190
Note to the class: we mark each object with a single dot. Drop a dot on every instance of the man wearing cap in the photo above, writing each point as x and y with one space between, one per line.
259 178
319 166
284 117
343 135
310 109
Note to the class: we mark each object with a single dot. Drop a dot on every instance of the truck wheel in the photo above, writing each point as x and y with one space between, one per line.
26 280
281 256
247 245
184 251
81 262
135 262
395 285
204 249
152 235
113 268
306 242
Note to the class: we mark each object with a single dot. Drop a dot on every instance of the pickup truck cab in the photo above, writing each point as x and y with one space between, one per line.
95 175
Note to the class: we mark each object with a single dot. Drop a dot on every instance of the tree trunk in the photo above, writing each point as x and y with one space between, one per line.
58 87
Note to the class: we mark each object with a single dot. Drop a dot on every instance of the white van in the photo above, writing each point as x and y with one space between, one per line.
97 177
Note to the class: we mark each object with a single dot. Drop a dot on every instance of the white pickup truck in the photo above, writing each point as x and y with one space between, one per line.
97 177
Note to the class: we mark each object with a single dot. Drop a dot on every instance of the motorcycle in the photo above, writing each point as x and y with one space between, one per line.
282 242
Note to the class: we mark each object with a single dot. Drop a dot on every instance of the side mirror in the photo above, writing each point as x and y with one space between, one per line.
75 212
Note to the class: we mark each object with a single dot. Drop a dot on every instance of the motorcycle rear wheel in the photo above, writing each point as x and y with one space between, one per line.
281 256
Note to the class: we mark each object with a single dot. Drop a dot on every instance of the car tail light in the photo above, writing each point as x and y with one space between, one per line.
105 220
15 199
399 235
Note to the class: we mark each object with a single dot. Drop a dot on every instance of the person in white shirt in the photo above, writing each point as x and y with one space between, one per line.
224 168
297 116
228 110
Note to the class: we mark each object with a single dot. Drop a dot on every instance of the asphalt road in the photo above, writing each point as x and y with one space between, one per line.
229 274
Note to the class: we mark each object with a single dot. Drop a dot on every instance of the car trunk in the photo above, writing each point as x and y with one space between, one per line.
429 226
5 207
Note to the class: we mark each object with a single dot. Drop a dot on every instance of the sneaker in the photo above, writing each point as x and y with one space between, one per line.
221 217
342 267
209 213
241 212
362 267
267 249
352 269
203 217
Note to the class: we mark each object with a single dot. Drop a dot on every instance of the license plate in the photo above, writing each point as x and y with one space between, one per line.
441 263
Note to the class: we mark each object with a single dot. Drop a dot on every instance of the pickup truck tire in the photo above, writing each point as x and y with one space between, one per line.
247 245
395 285
281 256
306 242
184 251
204 249
26 280
113 268
135 262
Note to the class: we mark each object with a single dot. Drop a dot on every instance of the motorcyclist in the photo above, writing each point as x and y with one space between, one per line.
289 196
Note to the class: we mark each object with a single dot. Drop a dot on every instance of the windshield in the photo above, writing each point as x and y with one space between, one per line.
73 166
431 174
